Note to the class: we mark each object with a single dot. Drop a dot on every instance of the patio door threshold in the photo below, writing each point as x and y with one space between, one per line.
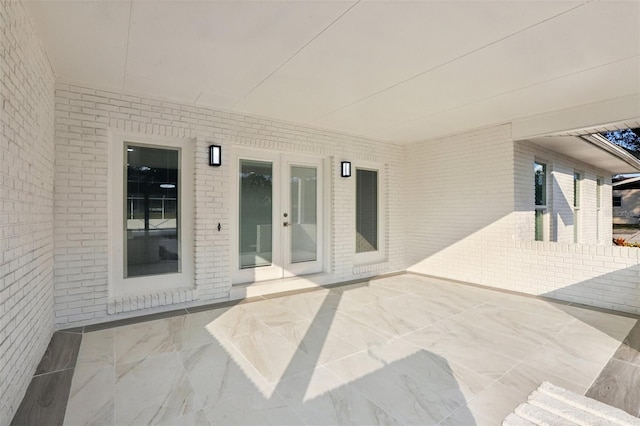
261 288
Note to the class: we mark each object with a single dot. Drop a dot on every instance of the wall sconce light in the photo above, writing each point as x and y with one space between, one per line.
215 155
345 169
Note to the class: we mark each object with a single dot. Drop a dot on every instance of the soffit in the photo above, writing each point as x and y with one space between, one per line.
398 71
599 153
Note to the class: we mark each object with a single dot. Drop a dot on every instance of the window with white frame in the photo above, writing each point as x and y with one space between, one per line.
370 238
576 206
540 184
152 207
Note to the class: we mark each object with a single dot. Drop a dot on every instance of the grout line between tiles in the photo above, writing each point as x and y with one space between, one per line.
53 372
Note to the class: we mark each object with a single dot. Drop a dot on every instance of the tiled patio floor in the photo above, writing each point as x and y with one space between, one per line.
399 350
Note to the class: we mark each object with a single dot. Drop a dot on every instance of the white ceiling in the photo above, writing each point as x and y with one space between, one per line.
394 70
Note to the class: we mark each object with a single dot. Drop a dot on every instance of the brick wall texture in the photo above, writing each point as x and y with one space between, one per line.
26 204
459 207
88 121
474 222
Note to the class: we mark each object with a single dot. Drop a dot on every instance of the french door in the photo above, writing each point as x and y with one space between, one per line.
279 215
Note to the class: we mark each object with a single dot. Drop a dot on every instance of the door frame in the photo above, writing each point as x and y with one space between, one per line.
280 268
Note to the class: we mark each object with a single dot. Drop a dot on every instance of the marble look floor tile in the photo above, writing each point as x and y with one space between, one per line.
355 332
405 283
97 350
617 386
468 293
232 390
579 330
219 373
358 365
45 400
564 365
524 379
365 294
320 398
309 305
192 330
404 397
489 408
487 363
138 341
629 350
534 306
384 319
272 355
517 324
231 322
271 313
450 297
198 418
420 310
616 326
61 353
315 340
435 372
273 411
91 400
598 351
456 333
153 390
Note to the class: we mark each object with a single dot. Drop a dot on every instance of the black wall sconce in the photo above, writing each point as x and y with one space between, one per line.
345 169
215 155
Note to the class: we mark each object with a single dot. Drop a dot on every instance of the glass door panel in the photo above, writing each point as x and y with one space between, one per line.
256 214
304 214
279 225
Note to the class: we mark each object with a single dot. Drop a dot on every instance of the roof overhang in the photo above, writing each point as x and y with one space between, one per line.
591 149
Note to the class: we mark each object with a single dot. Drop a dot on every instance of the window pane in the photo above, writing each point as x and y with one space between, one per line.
366 211
256 179
539 225
617 201
598 192
152 225
303 221
540 183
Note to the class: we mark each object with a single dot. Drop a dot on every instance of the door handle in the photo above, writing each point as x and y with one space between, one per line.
285 223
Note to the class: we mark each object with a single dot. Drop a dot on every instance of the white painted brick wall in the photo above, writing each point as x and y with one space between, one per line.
86 117
494 246
560 196
26 204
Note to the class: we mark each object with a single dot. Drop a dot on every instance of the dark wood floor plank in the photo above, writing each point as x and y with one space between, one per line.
134 320
78 330
45 402
617 385
61 353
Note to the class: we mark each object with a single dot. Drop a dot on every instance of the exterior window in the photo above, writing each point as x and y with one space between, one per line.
617 201
366 210
576 206
540 184
370 207
152 224
151 215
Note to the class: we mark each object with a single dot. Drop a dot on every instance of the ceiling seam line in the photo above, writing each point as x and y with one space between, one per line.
302 48
511 91
126 52
449 62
